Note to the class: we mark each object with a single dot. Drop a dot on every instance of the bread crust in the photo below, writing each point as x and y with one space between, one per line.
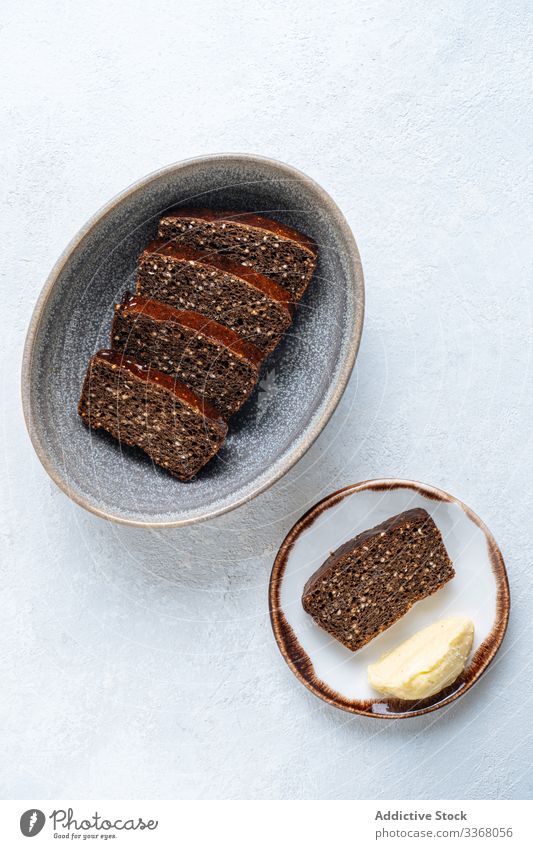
264 284
371 581
415 515
117 360
268 247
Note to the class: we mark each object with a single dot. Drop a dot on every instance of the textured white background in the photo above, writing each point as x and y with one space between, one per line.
138 664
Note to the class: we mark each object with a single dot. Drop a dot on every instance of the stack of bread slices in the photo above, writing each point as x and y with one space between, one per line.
214 295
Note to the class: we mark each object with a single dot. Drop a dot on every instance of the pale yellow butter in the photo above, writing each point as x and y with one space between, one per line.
426 663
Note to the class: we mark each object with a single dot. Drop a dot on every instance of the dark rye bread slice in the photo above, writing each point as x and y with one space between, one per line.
148 409
236 296
267 246
370 582
210 359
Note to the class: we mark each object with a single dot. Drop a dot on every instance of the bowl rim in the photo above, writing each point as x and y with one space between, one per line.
299 661
314 429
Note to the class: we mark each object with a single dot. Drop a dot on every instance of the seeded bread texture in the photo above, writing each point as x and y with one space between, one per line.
248 303
210 359
370 582
269 247
145 408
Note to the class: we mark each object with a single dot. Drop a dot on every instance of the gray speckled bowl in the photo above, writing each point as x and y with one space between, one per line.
302 380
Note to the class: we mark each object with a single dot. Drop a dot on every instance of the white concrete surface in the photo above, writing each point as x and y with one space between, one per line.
139 664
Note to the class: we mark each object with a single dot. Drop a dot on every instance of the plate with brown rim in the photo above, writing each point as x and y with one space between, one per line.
480 591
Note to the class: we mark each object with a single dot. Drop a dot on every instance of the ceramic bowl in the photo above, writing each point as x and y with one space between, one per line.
479 591
301 382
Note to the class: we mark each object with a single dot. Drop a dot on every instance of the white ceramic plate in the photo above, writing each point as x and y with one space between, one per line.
479 590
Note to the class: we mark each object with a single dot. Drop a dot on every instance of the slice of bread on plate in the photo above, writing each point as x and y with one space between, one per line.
210 359
371 581
247 302
145 408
